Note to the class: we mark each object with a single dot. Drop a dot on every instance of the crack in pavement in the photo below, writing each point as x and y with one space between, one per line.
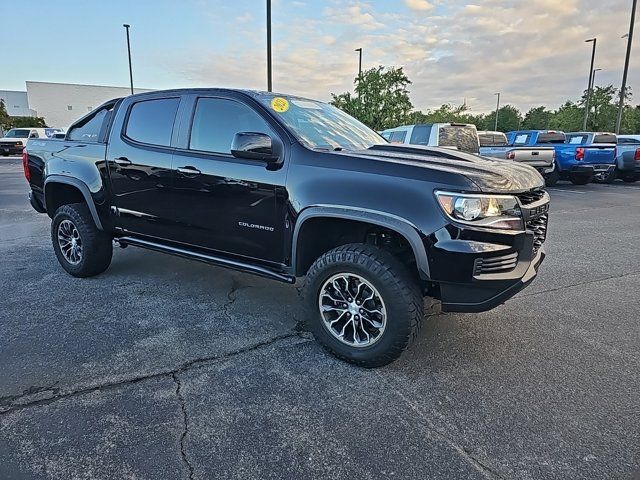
464 452
191 364
185 420
579 284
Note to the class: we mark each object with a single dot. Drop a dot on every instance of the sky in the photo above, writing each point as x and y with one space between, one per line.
532 51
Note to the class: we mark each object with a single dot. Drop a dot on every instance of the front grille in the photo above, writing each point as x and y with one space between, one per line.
532 196
538 226
505 263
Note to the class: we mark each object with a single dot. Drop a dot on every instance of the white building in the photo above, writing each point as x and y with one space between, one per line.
60 104
16 103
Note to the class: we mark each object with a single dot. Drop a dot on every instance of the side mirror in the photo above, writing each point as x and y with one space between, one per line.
255 146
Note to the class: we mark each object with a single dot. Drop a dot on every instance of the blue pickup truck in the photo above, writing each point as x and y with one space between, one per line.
580 156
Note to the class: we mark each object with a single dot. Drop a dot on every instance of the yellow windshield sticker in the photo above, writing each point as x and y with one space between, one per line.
279 104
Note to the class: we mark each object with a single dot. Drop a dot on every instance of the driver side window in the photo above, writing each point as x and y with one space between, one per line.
217 120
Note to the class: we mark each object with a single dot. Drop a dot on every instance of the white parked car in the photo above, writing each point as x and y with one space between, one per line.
15 139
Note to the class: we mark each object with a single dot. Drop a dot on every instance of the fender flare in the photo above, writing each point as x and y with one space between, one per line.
80 185
390 221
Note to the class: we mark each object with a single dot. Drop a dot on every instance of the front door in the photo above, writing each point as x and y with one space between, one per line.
223 203
140 166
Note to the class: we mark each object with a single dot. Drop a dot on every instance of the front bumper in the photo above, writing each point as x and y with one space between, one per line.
487 294
475 269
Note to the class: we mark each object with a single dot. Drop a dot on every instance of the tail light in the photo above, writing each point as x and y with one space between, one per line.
636 157
579 153
25 165
511 155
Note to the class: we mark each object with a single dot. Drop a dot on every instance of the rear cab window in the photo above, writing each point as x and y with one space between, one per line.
151 121
493 140
551 137
463 137
605 138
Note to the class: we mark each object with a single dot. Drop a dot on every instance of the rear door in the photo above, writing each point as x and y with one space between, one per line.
139 157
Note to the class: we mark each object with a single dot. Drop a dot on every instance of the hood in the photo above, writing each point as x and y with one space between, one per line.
490 175
14 140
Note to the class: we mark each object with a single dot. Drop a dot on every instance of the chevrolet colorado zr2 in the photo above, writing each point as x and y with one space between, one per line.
285 187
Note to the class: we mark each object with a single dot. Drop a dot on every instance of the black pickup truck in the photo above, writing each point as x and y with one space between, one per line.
286 187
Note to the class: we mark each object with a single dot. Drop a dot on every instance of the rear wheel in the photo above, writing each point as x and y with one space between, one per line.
550 179
629 177
81 249
362 304
580 178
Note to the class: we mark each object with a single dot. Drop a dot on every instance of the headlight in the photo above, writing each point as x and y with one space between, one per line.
19 144
490 211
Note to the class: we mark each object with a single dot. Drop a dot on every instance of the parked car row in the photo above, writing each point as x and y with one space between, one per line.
580 157
16 139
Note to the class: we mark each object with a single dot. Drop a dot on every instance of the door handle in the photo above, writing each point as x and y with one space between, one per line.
189 171
122 161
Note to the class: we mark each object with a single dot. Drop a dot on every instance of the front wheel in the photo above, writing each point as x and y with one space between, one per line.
362 304
81 249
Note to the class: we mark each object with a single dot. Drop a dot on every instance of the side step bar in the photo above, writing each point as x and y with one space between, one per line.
202 257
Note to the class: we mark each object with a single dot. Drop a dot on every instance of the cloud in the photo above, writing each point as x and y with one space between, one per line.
532 52
418 5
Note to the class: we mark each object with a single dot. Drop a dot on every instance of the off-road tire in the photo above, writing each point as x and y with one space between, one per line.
97 246
399 289
580 179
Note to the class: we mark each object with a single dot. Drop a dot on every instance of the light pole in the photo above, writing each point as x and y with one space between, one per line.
593 79
126 26
269 83
593 58
497 110
626 67
359 61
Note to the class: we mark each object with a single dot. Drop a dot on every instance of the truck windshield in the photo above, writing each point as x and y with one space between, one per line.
17 133
319 125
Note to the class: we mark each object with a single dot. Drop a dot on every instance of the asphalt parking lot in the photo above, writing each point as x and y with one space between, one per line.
166 368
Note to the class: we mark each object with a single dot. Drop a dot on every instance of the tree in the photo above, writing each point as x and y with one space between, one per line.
4 116
537 118
509 118
381 99
567 118
446 113
27 122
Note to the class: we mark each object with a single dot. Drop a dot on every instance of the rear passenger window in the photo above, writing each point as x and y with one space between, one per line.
89 130
151 121
398 137
420 135
217 120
